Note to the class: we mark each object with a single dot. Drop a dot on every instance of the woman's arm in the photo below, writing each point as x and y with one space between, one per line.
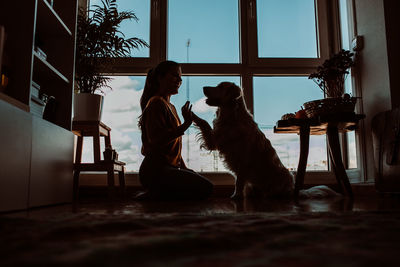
158 130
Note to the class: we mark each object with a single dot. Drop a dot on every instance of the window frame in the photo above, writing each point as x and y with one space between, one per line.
250 65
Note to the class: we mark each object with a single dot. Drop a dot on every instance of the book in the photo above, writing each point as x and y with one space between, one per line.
35 90
36 106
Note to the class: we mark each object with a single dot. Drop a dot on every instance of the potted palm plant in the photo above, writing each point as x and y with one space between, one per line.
99 41
330 77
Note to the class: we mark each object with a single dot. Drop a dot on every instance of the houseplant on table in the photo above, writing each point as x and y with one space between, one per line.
330 77
99 42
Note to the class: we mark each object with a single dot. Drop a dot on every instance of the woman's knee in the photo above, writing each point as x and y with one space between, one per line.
203 188
207 187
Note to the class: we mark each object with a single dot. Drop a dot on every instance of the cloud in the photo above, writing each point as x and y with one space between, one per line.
122 101
122 105
200 106
119 83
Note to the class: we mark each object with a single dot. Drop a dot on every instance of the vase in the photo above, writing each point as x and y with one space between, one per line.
88 107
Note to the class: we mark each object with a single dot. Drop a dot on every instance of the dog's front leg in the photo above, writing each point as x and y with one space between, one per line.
239 188
206 133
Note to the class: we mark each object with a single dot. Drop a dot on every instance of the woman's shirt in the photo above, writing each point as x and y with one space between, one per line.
160 119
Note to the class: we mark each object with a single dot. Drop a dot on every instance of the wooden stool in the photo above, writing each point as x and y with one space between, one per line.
96 129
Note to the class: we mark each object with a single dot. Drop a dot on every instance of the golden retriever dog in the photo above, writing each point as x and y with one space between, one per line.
243 146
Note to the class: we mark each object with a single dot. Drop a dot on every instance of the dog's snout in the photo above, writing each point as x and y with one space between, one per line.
207 89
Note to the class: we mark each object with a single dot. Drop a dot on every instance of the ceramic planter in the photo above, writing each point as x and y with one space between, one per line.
88 107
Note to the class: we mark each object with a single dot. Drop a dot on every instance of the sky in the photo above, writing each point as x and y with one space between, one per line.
213 29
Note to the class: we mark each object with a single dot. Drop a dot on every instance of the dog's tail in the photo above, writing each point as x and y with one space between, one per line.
319 191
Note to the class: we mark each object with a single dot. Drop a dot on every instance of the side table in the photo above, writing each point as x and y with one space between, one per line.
96 129
330 125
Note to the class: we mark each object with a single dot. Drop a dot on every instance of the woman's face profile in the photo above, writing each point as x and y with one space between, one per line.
171 81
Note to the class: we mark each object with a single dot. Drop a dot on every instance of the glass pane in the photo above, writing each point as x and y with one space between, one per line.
275 96
131 28
286 29
344 24
121 110
351 150
204 31
345 38
192 90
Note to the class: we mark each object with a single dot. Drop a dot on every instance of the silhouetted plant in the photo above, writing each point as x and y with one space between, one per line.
99 42
330 76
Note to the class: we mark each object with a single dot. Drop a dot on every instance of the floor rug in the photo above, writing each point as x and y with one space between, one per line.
301 238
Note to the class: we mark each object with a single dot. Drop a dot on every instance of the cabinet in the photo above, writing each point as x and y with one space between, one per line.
45 146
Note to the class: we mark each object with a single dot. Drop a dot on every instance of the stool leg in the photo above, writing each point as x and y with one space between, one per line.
76 185
96 147
79 145
121 176
107 139
110 182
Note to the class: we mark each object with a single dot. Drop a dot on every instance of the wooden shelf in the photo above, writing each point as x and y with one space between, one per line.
49 22
42 68
14 102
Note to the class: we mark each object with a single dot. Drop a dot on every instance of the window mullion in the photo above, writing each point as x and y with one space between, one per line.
158 30
249 29
322 17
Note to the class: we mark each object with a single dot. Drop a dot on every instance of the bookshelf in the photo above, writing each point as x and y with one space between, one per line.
45 170
52 30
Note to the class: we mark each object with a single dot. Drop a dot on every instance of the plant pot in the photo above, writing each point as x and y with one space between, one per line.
88 107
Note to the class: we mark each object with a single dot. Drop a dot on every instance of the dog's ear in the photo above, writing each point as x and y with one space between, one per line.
235 92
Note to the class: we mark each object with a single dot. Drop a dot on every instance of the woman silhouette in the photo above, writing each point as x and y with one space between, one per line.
163 172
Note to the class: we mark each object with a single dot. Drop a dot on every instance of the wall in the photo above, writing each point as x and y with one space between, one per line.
373 70
392 10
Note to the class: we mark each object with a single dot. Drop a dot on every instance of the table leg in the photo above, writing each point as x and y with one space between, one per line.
337 175
301 168
336 157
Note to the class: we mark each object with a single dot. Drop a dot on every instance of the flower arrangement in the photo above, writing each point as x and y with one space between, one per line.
330 76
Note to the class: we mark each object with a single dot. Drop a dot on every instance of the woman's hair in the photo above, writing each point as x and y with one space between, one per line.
152 84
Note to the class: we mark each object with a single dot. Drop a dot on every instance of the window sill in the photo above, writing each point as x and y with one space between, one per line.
222 178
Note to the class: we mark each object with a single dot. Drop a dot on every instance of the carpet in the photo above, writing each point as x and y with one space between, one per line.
300 238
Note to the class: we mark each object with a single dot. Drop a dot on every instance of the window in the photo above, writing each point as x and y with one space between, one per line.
292 92
350 154
268 47
140 28
121 110
286 28
204 31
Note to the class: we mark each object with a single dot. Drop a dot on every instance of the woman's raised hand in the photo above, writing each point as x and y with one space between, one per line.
187 113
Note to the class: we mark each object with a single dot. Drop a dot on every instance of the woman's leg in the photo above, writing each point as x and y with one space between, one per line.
178 183
168 182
